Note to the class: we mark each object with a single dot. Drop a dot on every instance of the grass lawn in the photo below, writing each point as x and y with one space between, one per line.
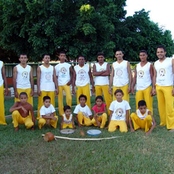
26 152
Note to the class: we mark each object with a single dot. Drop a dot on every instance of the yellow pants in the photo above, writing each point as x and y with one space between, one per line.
84 120
107 96
139 123
67 125
145 94
28 91
85 90
114 124
165 105
102 119
51 94
67 90
42 122
124 89
18 119
2 111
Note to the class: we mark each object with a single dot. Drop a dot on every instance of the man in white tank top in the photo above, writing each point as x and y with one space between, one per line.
63 71
82 78
101 71
163 87
121 76
46 82
143 78
23 79
3 80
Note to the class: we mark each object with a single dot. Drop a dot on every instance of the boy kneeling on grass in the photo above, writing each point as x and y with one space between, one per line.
83 113
143 118
47 114
20 113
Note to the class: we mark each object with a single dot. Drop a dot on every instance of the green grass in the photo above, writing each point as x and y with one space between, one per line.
26 152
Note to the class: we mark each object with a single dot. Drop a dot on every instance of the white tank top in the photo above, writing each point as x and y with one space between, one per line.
142 116
46 79
164 72
143 76
1 79
23 77
63 73
82 75
101 80
120 74
67 121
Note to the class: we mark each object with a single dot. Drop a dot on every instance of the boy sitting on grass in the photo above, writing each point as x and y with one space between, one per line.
83 113
143 118
20 113
47 114
67 118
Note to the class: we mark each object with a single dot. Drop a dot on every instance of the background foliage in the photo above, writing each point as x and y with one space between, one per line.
78 27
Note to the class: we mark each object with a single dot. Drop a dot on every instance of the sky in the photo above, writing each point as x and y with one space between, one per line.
161 11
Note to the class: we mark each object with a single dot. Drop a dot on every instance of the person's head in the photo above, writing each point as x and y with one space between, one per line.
142 106
161 52
46 58
23 58
67 110
62 56
99 100
119 54
46 101
82 99
143 55
100 57
119 94
81 60
23 97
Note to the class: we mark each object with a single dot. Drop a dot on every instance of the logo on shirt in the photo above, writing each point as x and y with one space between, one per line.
119 72
63 70
162 72
101 69
25 74
82 75
119 112
140 74
84 114
48 76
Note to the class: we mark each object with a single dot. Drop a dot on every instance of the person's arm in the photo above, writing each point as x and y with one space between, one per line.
61 125
107 72
102 111
14 81
38 81
154 82
134 80
73 123
110 116
154 124
32 115
73 83
130 124
95 117
32 82
127 117
78 121
130 76
71 74
151 76
173 74
111 80
17 107
91 79
55 81
5 79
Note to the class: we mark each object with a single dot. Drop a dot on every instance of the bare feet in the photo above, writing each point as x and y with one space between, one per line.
16 128
171 130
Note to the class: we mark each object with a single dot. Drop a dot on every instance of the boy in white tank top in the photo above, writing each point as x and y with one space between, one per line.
143 78
142 118
64 74
121 76
163 87
101 71
23 79
82 78
3 80
46 82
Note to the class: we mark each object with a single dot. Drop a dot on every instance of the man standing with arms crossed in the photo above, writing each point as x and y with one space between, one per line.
163 87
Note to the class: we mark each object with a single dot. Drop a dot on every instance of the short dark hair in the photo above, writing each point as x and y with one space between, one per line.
161 46
66 107
46 98
141 103
83 96
62 52
80 56
100 54
117 91
24 54
119 50
45 55
143 51
23 93
99 97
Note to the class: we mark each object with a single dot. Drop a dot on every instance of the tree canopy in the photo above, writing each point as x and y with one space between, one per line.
78 27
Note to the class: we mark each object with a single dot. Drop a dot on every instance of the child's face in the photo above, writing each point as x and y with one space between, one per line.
118 96
62 57
46 59
143 57
47 103
99 102
82 101
23 99
142 109
100 59
68 112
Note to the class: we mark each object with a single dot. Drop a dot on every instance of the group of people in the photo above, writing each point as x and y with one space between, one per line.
149 80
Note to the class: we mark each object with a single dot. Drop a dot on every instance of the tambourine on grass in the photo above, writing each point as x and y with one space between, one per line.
93 132
67 131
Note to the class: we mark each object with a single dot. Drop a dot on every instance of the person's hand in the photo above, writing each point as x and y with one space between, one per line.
57 91
25 111
38 92
73 91
110 91
54 118
129 89
151 92
93 89
148 133
31 93
6 91
132 130
154 91
16 94
133 91
69 83
48 121
98 124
